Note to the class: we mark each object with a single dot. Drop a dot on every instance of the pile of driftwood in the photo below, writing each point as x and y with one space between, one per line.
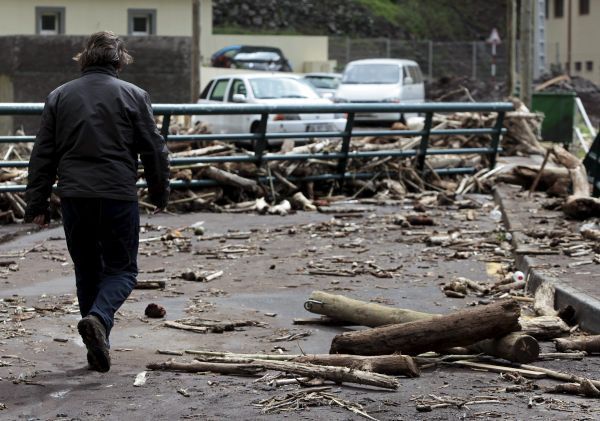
561 174
241 184
497 337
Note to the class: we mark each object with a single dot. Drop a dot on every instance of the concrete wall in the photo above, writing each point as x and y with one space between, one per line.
298 49
83 17
585 33
32 66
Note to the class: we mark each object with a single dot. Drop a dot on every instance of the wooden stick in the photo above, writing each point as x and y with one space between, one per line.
385 364
176 325
335 374
501 369
558 375
539 174
214 354
461 328
199 367
150 285
589 344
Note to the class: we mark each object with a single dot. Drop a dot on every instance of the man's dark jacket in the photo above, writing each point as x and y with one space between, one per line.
92 130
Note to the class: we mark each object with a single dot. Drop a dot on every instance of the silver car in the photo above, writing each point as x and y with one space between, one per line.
267 89
324 83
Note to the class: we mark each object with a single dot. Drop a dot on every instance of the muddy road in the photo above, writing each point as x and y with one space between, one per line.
270 266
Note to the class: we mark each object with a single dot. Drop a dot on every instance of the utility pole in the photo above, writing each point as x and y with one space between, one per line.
526 49
195 82
511 20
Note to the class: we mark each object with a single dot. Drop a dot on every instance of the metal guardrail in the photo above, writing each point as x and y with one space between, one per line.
261 137
592 165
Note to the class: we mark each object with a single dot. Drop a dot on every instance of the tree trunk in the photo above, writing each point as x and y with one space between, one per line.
589 344
359 312
385 364
461 328
514 347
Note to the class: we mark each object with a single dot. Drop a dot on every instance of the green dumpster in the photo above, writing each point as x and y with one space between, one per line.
559 115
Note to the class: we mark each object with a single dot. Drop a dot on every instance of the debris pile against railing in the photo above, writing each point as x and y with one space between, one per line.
280 186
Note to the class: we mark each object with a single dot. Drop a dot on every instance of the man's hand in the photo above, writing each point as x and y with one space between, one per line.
40 220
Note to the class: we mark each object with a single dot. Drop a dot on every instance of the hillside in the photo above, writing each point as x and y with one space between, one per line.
443 20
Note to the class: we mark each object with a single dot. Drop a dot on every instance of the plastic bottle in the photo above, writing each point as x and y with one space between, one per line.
518 276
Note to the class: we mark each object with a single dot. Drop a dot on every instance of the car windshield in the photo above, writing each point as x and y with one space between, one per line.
372 73
270 88
323 82
258 56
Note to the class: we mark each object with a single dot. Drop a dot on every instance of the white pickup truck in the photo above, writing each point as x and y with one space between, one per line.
268 89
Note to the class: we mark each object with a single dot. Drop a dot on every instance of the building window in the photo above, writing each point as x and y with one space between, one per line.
49 20
589 66
559 8
141 21
578 66
547 9
584 7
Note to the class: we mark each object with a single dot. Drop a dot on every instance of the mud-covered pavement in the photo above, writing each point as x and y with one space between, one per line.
270 266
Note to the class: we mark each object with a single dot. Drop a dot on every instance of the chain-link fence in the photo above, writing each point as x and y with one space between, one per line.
437 59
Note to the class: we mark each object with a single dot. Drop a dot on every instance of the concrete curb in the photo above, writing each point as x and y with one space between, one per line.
587 308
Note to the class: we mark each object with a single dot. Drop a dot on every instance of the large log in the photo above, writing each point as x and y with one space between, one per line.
461 328
359 312
515 347
589 344
385 364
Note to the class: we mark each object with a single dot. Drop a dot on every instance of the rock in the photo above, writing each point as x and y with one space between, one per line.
155 311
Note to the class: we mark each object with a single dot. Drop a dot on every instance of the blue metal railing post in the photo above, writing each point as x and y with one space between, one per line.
346 138
422 152
164 130
496 137
260 144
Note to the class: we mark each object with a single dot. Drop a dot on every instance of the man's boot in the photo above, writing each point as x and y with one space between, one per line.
93 333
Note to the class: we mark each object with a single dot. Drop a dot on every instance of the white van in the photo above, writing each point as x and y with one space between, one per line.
381 80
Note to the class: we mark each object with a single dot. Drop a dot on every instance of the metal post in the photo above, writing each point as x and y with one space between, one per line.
422 152
496 138
164 130
526 44
195 82
430 60
260 144
474 60
346 138
348 49
388 48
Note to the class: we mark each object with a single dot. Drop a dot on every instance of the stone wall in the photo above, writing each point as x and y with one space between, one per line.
32 66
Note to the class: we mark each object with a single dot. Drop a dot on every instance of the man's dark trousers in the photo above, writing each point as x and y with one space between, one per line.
102 237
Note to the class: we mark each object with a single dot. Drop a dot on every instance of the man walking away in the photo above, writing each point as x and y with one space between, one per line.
92 131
